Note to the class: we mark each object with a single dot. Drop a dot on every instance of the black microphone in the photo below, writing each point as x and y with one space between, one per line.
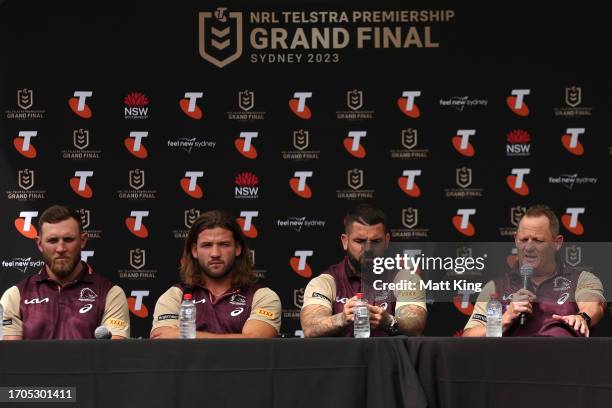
526 273
102 332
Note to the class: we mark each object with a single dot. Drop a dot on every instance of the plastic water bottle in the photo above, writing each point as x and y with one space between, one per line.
187 318
361 328
494 316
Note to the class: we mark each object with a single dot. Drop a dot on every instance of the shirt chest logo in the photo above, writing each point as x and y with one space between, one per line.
86 308
36 301
87 295
237 311
562 284
238 300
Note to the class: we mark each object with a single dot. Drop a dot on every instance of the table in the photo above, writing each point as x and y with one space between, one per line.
315 373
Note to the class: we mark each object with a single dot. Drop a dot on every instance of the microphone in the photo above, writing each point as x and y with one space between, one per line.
102 333
526 273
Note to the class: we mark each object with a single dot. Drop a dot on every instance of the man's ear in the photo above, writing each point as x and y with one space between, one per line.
558 242
84 238
345 240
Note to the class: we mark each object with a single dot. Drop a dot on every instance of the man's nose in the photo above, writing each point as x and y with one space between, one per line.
215 251
61 246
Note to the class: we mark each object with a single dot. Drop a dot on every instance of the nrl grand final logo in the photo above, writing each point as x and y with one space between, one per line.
573 255
354 179
25 98
137 258
410 217
85 217
220 36
516 213
354 99
191 216
409 138
246 100
463 177
300 139
25 179
573 96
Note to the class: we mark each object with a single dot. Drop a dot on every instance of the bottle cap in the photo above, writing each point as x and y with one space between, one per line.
494 295
187 296
360 295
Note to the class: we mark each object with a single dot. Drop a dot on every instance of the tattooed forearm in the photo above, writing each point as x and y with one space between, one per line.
317 321
411 320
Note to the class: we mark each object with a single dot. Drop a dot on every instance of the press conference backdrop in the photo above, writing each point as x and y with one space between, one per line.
143 115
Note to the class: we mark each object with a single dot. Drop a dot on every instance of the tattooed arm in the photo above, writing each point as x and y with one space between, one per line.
317 320
411 320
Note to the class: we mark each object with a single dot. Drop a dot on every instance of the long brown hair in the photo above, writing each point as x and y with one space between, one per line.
191 272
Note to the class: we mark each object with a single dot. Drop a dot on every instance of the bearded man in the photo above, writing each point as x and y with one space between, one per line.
216 271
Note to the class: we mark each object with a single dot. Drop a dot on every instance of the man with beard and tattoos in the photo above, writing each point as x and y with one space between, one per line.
215 269
329 299
65 299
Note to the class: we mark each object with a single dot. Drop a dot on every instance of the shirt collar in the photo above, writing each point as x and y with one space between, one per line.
86 275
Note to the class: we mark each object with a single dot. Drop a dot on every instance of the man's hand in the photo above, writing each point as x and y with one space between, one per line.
521 303
576 322
165 332
348 313
379 318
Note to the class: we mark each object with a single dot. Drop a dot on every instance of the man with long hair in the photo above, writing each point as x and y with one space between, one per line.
558 301
215 269
65 299
329 299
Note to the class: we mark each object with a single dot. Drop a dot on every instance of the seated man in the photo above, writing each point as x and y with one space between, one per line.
66 299
559 300
215 269
329 299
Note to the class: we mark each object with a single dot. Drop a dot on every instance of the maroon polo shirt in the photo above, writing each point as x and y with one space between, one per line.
50 311
556 295
226 314
347 287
